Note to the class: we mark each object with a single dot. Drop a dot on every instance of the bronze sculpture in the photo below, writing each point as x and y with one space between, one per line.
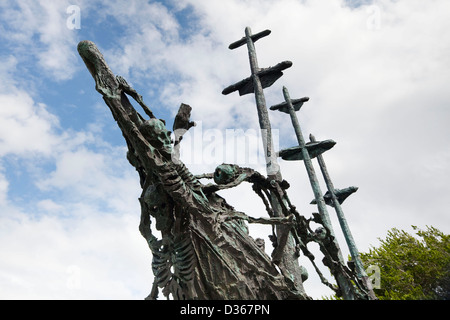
205 251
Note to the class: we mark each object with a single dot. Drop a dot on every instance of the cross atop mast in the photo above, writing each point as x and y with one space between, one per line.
284 252
260 78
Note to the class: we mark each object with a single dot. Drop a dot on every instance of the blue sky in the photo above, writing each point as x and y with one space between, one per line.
376 72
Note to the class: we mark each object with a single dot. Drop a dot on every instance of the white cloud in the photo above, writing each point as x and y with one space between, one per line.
376 76
50 206
154 51
73 242
99 177
82 240
4 184
379 93
85 256
39 29
379 90
70 239
25 126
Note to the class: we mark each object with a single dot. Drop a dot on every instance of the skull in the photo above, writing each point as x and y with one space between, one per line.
160 206
320 233
157 135
260 243
225 173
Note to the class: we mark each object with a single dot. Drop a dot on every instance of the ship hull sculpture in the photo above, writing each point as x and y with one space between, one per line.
203 238
205 250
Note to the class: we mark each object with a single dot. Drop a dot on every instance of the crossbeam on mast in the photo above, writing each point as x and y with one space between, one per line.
314 149
284 254
336 197
267 76
341 278
260 79
254 38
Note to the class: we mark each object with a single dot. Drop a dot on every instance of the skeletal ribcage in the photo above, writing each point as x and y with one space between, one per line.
173 266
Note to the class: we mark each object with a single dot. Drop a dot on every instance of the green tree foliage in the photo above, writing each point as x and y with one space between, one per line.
412 268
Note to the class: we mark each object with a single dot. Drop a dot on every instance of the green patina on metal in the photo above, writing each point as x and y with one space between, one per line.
204 250
314 149
225 173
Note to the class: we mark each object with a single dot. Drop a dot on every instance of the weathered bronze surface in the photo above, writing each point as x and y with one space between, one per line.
284 107
314 149
204 250
267 77
341 195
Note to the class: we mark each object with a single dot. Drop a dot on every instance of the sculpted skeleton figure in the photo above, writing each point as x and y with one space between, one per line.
204 250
